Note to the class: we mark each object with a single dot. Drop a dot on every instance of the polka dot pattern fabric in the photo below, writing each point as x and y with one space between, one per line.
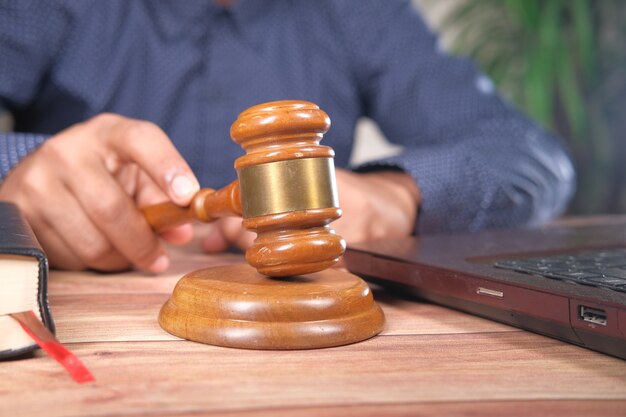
191 66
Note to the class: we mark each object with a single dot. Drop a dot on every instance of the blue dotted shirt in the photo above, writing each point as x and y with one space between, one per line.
191 66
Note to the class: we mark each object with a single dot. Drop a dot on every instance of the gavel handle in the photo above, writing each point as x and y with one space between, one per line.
206 206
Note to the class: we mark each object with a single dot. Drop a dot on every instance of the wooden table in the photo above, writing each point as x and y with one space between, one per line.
429 360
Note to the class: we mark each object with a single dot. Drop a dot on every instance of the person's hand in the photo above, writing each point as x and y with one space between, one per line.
80 192
381 204
376 205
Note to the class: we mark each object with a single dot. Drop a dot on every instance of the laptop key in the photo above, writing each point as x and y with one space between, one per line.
580 275
614 272
536 269
507 264
608 281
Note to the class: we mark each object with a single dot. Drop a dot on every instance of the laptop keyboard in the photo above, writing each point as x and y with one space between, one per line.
605 268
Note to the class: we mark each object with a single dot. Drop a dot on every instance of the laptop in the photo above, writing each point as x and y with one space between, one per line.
566 282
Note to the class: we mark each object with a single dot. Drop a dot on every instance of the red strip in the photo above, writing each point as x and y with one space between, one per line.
77 370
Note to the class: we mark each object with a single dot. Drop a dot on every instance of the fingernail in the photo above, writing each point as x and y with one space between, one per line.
184 187
160 264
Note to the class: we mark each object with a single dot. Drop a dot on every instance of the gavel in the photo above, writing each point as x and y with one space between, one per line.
285 297
285 191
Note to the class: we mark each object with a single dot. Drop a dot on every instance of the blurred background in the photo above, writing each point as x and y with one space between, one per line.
563 62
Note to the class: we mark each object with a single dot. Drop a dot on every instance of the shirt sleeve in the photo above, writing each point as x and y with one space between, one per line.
31 34
14 147
478 162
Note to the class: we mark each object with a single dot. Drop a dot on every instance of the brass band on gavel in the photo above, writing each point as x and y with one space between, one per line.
287 186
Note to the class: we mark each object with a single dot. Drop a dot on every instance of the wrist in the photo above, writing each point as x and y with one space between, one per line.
397 200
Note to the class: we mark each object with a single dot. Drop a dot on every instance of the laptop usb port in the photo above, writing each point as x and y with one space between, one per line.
592 315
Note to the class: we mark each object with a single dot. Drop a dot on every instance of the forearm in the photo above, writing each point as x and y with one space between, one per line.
503 173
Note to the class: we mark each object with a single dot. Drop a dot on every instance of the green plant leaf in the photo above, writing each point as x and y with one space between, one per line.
584 35
571 97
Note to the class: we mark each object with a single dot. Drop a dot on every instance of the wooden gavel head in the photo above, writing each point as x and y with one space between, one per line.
287 188
286 191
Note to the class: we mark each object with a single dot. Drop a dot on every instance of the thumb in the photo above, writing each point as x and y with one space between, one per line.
145 144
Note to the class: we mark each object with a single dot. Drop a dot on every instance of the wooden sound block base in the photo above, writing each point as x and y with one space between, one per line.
235 306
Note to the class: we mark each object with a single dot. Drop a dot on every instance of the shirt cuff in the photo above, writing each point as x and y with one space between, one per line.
16 146
444 204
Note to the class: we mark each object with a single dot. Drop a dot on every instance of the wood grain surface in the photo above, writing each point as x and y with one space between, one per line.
429 360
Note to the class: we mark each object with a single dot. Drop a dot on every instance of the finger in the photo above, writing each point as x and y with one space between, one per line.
147 145
227 232
58 253
115 214
67 234
180 235
74 230
61 255
57 220
236 234
215 241
147 192
127 175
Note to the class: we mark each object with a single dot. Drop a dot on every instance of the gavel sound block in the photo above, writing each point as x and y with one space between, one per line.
286 193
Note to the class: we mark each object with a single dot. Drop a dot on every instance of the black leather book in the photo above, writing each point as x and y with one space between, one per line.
23 281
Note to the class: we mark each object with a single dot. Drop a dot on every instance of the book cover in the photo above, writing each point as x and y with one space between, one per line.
23 281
